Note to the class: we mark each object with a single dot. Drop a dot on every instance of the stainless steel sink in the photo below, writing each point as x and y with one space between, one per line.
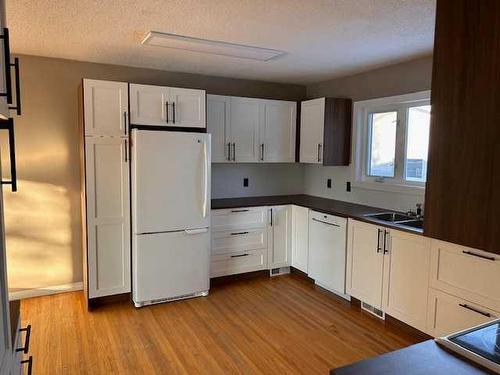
390 217
396 219
417 223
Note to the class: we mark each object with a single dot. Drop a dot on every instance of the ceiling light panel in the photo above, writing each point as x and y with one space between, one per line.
213 47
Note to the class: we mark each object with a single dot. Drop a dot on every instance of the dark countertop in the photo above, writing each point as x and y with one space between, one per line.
15 312
325 205
426 358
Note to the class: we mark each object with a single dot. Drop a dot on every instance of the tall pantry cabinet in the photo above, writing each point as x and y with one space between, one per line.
105 186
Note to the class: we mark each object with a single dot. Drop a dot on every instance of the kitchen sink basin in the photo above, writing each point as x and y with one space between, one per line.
419 223
390 217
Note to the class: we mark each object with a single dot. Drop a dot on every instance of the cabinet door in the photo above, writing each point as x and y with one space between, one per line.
300 239
105 107
6 351
108 216
448 314
244 130
277 139
365 262
312 121
148 105
218 113
406 278
281 227
188 107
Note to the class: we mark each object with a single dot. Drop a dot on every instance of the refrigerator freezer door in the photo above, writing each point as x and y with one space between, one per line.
170 265
170 181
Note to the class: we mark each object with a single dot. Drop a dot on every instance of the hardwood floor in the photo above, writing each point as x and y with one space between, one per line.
283 325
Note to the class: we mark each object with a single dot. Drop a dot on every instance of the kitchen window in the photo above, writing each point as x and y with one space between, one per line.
391 141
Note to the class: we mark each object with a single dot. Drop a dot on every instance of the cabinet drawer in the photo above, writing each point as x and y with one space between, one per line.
238 240
243 217
230 264
448 314
468 273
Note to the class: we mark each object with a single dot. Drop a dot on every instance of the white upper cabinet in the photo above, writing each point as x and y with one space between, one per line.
248 130
218 115
278 131
365 262
312 122
148 105
244 131
188 107
281 229
167 106
105 107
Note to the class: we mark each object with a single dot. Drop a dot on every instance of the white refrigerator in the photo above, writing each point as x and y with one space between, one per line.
170 215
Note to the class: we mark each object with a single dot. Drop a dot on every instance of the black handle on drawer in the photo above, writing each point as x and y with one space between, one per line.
8 81
465 306
9 126
173 112
238 233
478 255
325 222
17 107
25 349
29 361
166 108
240 255
240 210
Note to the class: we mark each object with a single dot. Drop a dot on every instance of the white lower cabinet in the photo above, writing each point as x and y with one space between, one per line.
280 250
365 262
239 240
448 314
300 238
327 251
406 278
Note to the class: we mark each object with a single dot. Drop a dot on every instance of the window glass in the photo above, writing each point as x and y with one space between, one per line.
382 150
417 143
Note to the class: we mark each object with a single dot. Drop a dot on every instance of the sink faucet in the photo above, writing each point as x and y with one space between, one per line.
417 213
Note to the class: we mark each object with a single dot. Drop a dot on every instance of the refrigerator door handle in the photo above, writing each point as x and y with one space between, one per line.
196 231
205 180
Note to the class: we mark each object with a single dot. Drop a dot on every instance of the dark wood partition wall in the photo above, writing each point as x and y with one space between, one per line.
463 183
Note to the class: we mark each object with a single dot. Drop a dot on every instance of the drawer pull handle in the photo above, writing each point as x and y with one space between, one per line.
324 222
240 255
465 306
238 233
240 210
29 361
478 255
25 349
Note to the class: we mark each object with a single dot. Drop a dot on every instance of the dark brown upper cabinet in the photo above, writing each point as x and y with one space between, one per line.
325 131
463 182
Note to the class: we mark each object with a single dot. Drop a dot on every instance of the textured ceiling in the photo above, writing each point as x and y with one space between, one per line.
323 39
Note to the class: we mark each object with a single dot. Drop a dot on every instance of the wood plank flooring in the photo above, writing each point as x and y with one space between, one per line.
282 325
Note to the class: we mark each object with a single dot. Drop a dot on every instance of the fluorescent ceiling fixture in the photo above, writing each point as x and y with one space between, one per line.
213 47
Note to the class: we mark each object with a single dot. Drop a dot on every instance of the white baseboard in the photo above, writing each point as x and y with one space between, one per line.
45 291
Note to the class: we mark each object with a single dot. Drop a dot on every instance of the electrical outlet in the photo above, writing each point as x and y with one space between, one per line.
348 186
245 182
329 183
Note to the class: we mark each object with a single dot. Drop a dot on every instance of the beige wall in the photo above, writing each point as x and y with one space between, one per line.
43 218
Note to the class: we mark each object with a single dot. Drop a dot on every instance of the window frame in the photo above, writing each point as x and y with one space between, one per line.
362 141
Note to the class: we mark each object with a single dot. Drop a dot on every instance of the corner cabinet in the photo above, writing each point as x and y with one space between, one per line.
300 238
325 131
167 106
249 130
106 189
